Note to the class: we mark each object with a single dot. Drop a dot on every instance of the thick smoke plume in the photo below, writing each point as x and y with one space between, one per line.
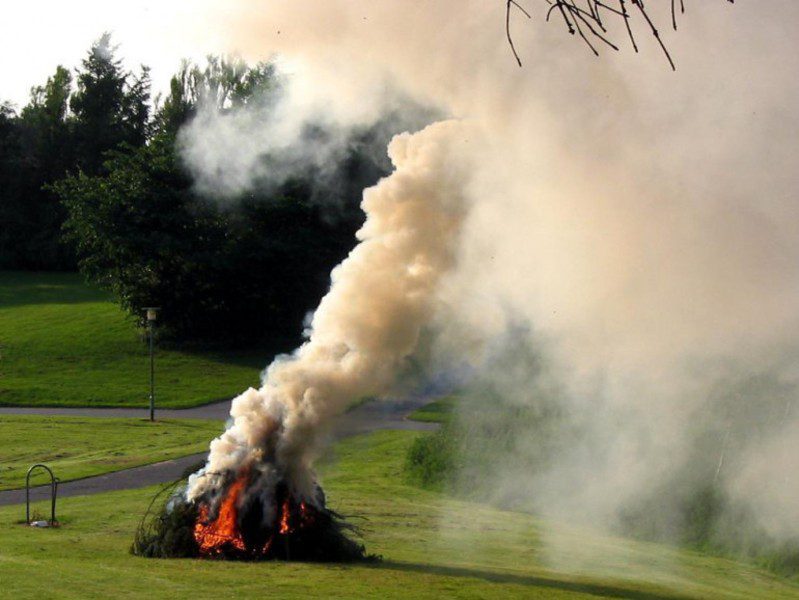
641 224
365 328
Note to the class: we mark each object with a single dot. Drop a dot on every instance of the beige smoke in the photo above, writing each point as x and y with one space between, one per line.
368 324
644 223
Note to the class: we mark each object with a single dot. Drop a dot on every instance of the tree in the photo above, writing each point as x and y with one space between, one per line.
221 274
11 184
138 233
46 130
242 270
110 106
59 131
38 152
179 105
223 84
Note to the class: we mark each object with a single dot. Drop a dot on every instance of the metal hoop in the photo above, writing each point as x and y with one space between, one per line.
53 493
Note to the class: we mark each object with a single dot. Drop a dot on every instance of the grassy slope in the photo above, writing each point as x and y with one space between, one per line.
63 343
75 447
433 547
435 412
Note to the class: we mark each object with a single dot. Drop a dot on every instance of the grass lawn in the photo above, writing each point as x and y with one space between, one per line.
75 447
435 412
63 343
433 547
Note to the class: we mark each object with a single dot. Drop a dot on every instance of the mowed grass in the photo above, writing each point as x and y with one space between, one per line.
63 343
432 547
438 411
75 447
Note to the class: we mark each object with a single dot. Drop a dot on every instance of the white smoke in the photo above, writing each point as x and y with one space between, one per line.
282 131
641 222
260 144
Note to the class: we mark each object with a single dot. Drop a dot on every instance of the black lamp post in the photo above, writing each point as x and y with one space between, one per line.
152 315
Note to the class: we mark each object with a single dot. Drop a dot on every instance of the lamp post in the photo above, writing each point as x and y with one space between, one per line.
152 315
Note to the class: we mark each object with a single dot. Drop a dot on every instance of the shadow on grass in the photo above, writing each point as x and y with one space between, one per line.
251 354
18 288
603 591
22 288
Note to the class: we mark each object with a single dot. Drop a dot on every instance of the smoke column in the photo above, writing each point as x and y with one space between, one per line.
369 322
641 223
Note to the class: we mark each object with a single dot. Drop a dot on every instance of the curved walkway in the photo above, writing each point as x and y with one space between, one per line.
373 416
214 410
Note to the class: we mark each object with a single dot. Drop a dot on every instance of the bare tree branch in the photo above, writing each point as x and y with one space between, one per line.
655 33
584 18
511 3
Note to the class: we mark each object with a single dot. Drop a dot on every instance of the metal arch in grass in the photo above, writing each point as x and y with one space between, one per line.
587 19
53 493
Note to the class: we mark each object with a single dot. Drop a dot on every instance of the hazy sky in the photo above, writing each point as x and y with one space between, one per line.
37 35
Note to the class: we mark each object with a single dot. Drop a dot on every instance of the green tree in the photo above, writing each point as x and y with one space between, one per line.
110 106
38 152
46 127
139 233
224 83
220 274
59 132
240 270
178 106
10 185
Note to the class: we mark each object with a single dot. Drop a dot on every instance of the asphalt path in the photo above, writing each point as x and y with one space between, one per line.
215 410
372 416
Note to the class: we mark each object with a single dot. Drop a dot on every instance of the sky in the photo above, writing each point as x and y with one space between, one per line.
38 35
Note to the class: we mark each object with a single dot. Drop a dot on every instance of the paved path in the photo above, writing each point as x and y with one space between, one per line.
373 416
215 410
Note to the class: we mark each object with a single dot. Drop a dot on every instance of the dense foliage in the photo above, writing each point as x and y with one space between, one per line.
61 130
217 272
91 177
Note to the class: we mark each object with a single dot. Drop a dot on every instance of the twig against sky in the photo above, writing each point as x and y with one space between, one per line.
586 19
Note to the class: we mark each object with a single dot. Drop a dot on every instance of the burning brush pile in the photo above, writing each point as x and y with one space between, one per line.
238 525
257 496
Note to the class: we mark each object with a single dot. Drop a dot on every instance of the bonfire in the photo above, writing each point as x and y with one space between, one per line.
257 496
239 525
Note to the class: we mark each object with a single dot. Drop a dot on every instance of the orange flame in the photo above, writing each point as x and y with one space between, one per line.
220 536
211 537
284 518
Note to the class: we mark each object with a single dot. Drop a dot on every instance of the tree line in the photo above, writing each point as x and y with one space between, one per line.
91 178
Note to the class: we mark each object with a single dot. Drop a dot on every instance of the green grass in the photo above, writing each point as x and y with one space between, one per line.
75 447
439 411
63 343
433 547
